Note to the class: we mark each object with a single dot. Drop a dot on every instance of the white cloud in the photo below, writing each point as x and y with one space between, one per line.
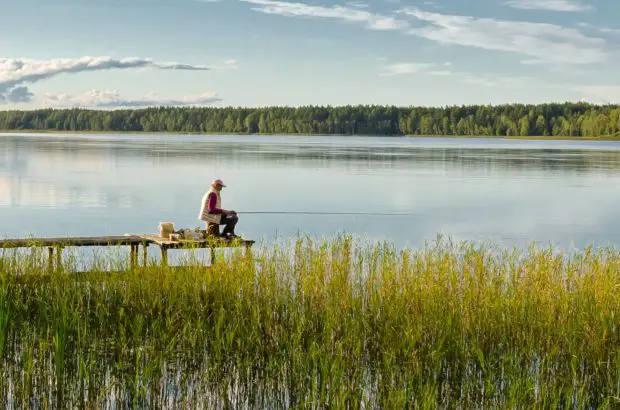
610 30
544 42
113 99
439 70
551 5
600 94
347 14
539 41
230 64
404 68
17 94
17 73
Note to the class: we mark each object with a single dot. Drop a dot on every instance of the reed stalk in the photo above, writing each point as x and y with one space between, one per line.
313 323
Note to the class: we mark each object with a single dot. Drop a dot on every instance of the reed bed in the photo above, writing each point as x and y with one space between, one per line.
335 323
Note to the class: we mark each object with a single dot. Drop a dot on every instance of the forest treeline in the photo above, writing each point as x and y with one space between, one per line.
567 119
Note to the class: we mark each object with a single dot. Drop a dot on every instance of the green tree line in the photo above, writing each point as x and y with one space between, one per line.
567 119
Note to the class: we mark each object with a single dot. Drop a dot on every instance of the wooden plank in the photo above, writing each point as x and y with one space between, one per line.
71 241
126 240
185 243
133 256
56 244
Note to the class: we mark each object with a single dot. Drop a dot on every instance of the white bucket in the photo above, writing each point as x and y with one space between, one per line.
165 229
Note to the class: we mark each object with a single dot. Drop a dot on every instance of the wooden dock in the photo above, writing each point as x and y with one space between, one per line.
211 243
135 241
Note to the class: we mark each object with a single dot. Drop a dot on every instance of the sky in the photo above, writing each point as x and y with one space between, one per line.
110 54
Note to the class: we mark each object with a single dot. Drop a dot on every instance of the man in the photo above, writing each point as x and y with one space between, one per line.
213 215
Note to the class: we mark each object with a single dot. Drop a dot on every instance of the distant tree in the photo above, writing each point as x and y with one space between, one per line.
568 119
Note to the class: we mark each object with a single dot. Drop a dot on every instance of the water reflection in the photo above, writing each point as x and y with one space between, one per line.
511 191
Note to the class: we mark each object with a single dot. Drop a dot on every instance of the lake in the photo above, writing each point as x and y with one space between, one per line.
341 327
507 192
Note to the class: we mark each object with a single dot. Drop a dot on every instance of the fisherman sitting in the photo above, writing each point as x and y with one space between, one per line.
213 215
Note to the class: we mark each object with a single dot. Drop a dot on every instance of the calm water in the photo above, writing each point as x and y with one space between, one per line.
506 192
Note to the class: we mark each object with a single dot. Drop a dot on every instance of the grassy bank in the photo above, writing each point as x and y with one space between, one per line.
334 324
525 138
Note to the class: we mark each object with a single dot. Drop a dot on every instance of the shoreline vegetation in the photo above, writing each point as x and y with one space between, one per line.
171 133
561 120
335 323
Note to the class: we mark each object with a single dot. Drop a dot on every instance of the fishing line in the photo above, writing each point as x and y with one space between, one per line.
324 213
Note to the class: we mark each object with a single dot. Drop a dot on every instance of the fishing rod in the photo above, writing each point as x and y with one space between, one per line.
324 213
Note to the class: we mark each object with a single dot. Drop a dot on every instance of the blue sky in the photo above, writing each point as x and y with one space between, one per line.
134 53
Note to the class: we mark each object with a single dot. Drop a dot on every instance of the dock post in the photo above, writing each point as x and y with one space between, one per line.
59 258
144 253
164 255
134 256
248 251
50 258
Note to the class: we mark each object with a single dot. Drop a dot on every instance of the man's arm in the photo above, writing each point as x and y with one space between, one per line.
212 205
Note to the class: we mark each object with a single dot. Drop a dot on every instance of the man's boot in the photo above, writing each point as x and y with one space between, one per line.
229 234
229 230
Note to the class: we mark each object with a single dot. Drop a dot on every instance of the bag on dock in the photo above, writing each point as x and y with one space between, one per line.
189 234
165 229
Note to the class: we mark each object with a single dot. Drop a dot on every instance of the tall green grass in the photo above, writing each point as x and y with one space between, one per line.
317 324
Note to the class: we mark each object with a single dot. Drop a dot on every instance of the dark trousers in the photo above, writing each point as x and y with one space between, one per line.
230 221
